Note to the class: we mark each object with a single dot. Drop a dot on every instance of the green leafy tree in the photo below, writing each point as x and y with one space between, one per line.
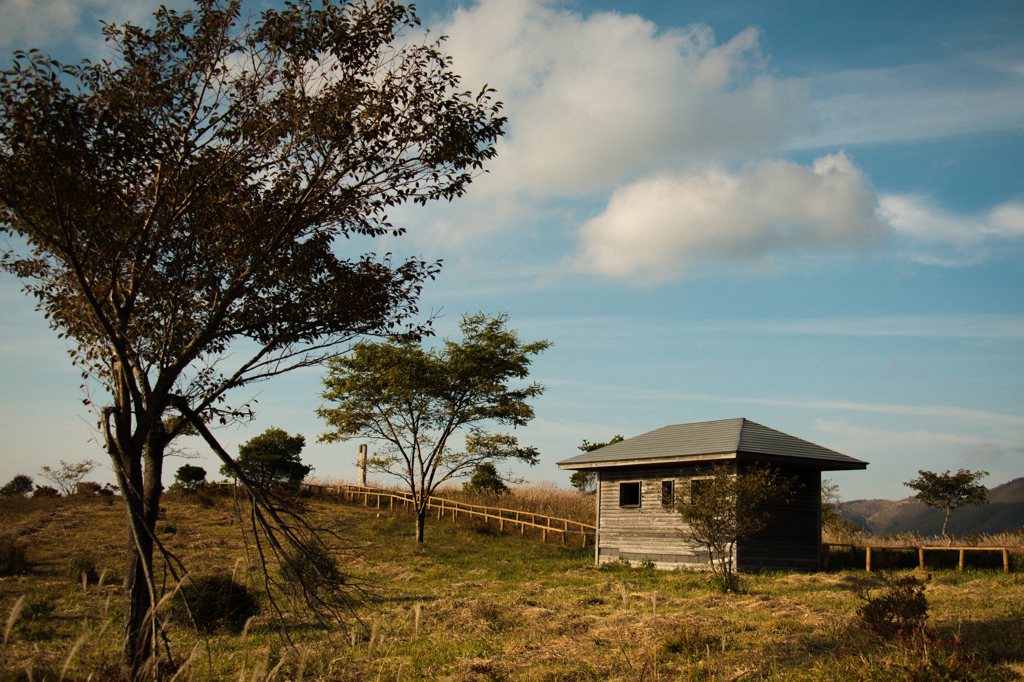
486 480
18 486
725 508
67 476
586 481
272 459
948 491
190 477
178 205
414 400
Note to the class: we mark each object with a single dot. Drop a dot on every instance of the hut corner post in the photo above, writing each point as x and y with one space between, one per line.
361 465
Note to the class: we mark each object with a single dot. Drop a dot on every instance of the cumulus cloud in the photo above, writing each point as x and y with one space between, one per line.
983 453
654 229
593 101
939 237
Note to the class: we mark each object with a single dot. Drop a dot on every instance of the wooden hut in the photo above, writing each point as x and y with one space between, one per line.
641 480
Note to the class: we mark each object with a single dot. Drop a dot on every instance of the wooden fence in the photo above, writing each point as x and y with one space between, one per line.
522 520
826 549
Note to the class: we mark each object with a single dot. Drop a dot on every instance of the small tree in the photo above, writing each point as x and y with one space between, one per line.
725 508
272 459
948 491
18 486
190 477
486 480
586 481
67 476
414 401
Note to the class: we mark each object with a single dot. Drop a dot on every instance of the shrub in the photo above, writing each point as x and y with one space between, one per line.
87 488
45 491
17 486
486 480
83 564
12 554
217 601
313 571
899 609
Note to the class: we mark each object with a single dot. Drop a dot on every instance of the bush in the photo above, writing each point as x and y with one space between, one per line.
12 555
83 564
486 480
900 608
17 486
87 488
45 491
313 571
217 601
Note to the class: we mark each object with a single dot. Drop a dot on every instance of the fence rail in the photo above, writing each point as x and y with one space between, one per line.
826 548
387 498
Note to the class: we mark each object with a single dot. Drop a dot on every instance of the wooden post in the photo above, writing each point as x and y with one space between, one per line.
501 523
920 557
544 534
868 561
961 566
1006 560
563 538
824 556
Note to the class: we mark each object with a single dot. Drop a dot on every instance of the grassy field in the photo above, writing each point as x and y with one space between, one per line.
490 607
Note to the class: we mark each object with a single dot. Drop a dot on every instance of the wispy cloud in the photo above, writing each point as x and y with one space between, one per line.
987 326
932 411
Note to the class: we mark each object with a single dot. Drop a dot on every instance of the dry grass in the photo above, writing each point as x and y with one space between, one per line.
1008 539
495 607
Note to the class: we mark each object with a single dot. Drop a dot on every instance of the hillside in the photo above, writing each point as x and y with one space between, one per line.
884 517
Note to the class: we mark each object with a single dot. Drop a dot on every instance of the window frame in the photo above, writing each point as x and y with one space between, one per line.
639 494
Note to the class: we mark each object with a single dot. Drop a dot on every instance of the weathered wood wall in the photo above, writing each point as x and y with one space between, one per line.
650 531
792 541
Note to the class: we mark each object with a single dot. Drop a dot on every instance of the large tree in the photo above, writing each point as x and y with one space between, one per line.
415 400
948 491
177 210
586 481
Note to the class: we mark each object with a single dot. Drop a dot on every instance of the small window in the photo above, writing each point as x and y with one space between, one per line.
629 494
698 487
668 494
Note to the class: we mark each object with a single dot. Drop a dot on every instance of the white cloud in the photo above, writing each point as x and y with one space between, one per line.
594 101
654 229
939 237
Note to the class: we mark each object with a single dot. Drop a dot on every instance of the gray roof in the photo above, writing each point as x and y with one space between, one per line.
723 439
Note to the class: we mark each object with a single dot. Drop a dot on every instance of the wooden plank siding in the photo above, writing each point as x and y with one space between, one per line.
649 531
792 540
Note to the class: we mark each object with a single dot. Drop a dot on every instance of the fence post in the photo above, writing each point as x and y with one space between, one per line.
920 557
868 561
1006 560
961 566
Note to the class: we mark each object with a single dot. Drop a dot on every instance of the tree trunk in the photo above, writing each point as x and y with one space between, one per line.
421 521
143 476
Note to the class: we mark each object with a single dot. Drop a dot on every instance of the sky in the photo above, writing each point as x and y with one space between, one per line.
808 214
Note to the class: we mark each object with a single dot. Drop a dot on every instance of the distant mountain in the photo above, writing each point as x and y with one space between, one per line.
1005 511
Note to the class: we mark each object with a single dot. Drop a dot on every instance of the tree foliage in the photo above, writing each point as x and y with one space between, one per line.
948 491
414 400
271 459
67 476
586 481
486 480
724 508
190 477
175 211
18 486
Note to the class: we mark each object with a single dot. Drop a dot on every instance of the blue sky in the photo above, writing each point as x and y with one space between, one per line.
809 214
